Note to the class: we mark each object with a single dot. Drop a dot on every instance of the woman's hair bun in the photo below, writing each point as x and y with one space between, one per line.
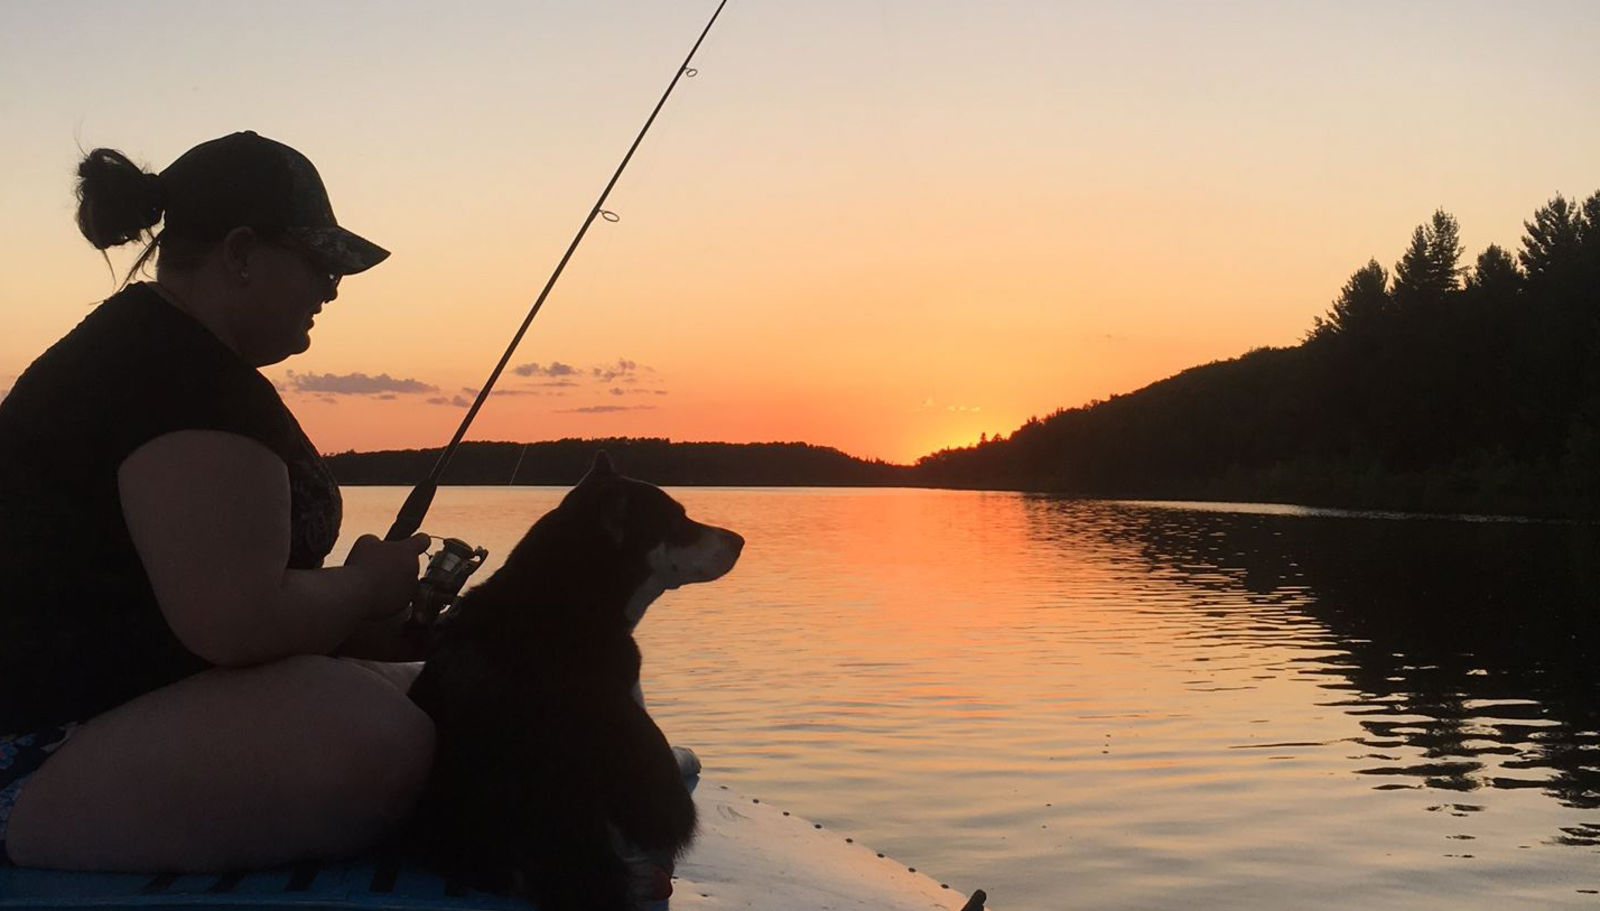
118 201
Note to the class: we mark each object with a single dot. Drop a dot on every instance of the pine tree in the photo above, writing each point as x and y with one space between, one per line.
1430 269
1444 251
1591 220
1551 247
1589 241
1361 307
1495 276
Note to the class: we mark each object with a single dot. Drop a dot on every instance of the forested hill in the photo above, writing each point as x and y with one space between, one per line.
1437 387
563 462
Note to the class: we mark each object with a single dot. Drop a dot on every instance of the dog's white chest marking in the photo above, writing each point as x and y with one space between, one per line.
643 596
708 557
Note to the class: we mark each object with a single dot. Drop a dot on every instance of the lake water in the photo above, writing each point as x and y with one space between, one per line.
1118 705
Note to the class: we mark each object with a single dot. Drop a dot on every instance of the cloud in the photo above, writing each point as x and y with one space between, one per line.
605 409
622 377
554 368
557 375
502 391
929 404
611 372
356 384
623 370
528 389
455 400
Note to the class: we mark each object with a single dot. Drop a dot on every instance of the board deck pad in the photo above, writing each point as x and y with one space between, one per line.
306 886
753 856
749 855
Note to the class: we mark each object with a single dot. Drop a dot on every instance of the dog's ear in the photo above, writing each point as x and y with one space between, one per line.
606 501
599 469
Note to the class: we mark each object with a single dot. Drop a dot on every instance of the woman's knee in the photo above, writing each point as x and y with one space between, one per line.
380 745
397 758
312 757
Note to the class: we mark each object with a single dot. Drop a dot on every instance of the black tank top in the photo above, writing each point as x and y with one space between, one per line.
80 629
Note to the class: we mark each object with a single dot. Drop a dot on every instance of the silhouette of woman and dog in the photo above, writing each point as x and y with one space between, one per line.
201 693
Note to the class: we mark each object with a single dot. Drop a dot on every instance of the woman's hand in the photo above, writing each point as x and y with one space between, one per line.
390 569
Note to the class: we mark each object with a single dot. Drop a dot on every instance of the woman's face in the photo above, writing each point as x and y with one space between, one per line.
288 286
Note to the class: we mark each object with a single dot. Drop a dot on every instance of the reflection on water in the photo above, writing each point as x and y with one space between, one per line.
1134 705
1474 643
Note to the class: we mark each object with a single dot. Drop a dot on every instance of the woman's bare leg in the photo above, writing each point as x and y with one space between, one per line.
399 674
230 769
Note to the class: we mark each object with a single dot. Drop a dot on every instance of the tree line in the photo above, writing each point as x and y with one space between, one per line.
1435 385
660 461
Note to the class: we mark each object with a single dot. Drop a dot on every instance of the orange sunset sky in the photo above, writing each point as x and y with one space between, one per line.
882 225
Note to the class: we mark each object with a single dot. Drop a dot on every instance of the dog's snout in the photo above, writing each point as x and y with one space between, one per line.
718 553
729 545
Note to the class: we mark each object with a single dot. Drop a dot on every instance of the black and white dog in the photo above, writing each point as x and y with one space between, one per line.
545 753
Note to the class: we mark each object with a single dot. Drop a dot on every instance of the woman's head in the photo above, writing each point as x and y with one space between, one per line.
247 236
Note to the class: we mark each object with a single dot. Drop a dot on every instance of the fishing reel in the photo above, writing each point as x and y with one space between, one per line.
448 570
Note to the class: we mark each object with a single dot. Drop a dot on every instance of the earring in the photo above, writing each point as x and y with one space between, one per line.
244 275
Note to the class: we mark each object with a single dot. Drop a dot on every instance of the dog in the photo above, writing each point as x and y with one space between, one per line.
546 757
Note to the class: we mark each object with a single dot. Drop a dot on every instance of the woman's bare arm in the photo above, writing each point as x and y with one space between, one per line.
208 512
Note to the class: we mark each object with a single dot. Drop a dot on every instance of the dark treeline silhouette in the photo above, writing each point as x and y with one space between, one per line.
1440 386
563 462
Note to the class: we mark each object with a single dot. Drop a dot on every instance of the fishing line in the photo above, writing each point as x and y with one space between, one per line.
421 497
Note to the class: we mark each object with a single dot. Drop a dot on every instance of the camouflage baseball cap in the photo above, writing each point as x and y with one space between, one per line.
246 180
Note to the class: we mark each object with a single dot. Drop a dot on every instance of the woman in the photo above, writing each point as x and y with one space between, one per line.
168 695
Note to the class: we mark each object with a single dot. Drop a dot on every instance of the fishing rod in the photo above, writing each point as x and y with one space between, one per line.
421 497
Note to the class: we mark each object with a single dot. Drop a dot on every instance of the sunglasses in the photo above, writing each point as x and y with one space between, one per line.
314 260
